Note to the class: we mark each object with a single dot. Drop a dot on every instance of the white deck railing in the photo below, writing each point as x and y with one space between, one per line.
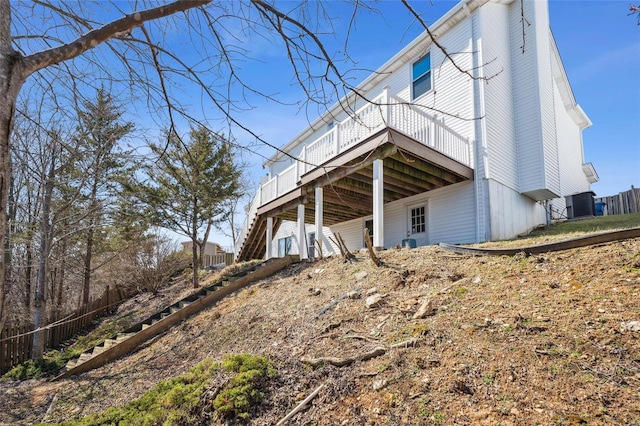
248 221
383 111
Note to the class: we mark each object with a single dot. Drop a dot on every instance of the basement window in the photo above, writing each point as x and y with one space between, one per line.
284 246
421 76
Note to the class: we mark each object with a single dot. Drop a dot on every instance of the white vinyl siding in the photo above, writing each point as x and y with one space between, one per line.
453 90
450 215
572 177
533 103
492 30
511 213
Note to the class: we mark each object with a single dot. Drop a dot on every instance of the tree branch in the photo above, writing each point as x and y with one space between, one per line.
43 59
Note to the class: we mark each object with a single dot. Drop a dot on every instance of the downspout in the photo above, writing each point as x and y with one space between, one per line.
480 133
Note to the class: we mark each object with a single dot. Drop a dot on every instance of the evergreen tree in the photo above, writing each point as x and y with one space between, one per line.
188 185
99 170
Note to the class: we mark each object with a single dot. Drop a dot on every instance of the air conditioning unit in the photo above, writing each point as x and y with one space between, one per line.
580 205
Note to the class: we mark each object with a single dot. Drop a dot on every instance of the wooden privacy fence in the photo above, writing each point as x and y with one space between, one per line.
623 203
16 340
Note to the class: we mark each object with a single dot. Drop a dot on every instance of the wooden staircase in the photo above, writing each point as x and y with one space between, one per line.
254 245
128 340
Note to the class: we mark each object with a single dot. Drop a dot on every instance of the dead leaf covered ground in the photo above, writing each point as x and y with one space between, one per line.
544 339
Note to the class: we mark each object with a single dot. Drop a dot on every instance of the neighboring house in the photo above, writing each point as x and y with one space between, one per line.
213 253
434 155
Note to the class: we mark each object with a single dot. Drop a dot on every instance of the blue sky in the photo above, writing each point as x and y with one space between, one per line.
598 42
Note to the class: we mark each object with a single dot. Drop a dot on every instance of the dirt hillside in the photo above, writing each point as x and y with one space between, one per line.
546 339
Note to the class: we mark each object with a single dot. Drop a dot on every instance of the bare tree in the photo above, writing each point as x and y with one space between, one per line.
58 43
68 48
17 65
634 9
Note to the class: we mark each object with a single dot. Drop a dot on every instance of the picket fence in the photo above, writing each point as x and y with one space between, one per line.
16 339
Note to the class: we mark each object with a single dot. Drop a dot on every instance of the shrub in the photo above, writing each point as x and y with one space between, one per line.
182 400
244 391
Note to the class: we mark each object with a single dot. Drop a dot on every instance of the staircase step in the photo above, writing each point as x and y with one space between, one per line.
123 336
74 366
85 357
98 350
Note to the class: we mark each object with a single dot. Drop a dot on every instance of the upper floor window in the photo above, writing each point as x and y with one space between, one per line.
421 76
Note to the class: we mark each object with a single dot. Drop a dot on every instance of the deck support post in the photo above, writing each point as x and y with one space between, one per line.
269 253
378 205
319 213
302 235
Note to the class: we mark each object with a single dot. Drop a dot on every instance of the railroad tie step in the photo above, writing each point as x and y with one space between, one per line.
184 303
145 326
174 309
71 363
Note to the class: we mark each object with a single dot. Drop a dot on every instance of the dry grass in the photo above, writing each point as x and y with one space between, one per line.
513 340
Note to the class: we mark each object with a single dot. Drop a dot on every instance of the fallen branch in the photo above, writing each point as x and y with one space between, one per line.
331 305
361 337
318 244
300 406
409 343
50 409
372 254
342 362
348 256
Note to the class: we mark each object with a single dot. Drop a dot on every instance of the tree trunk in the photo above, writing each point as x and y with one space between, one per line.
194 239
203 245
14 69
194 259
28 273
11 79
86 281
39 305
63 266
93 212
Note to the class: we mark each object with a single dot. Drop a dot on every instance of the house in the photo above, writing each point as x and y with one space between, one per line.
214 254
434 154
